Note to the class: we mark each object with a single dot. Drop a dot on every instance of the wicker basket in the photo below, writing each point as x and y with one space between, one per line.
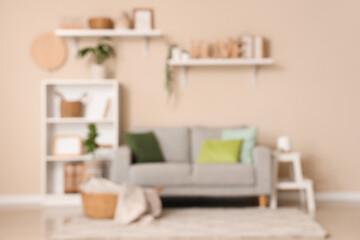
99 205
71 109
100 23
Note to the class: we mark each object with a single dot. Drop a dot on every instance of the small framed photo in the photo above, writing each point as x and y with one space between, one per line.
143 18
67 145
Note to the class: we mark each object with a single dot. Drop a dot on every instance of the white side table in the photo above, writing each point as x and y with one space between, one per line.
298 182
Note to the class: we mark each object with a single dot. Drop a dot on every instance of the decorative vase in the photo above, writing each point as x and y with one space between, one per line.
175 53
98 71
283 144
123 22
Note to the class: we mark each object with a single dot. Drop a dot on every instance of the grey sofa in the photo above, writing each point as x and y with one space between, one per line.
181 176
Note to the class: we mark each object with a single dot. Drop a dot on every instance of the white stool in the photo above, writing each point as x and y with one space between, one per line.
297 182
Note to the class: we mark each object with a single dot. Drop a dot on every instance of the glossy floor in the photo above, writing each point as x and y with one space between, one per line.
341 220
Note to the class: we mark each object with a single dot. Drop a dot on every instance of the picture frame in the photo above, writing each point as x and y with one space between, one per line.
143 19
67 145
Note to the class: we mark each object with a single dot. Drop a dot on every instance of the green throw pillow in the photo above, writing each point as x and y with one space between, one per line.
219 151
248 135
145 147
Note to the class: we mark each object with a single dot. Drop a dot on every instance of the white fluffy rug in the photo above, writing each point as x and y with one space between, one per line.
199 224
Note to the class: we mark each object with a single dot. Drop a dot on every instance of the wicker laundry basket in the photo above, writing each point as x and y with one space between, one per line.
102 205
99 205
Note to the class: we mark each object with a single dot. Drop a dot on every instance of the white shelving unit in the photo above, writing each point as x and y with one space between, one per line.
98 92
254 62
77 33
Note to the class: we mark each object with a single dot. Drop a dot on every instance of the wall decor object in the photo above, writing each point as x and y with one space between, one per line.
48 51
143 18
71 108
123 22
185 55
107 108
246 42
259 47
67 145
175 52
100 23
100 53
283 144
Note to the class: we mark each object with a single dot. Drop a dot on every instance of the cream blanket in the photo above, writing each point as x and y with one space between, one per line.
134 202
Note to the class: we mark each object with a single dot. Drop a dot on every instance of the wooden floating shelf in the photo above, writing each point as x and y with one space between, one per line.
254 62
76 33
77 120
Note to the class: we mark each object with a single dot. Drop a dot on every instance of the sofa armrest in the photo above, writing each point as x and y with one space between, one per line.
120 164
264 171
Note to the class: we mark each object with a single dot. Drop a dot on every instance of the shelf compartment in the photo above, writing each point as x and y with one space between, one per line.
72 82
77 120
86 157
254 62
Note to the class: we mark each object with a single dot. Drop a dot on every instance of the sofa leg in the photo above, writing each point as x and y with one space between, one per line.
262 201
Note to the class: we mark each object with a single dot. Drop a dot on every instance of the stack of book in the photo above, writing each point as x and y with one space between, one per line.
74 175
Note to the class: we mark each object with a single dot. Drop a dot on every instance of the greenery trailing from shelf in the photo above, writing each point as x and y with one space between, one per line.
90 142
101 52
169 74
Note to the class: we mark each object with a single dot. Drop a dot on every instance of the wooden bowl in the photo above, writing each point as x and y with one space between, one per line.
100 23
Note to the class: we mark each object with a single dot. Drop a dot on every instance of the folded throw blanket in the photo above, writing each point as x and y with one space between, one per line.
134 202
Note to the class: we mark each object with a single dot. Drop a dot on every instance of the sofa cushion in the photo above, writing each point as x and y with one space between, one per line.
248 135
199 134
163 174
173 141
219 151
145 147
223 174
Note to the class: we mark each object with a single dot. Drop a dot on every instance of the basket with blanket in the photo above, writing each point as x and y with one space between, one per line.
102 198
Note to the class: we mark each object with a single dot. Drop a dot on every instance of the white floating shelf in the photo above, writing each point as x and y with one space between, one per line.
255 62
78 120
87 157
76 33
107 33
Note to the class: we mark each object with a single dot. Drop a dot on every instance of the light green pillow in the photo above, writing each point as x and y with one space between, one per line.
248 135
219 151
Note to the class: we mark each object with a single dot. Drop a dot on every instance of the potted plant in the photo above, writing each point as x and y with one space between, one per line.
100 53
93 167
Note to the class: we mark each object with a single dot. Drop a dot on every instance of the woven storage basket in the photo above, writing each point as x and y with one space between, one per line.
100 23
71 109
99 205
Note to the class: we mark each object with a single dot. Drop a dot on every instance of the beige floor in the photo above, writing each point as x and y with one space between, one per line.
342 221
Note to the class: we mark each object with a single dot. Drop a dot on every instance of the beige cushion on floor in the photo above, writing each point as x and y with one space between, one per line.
223 174
163 174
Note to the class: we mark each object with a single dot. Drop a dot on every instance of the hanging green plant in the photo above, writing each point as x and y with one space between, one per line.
169 74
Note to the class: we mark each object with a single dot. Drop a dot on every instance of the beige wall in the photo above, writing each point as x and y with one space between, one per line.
310 94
